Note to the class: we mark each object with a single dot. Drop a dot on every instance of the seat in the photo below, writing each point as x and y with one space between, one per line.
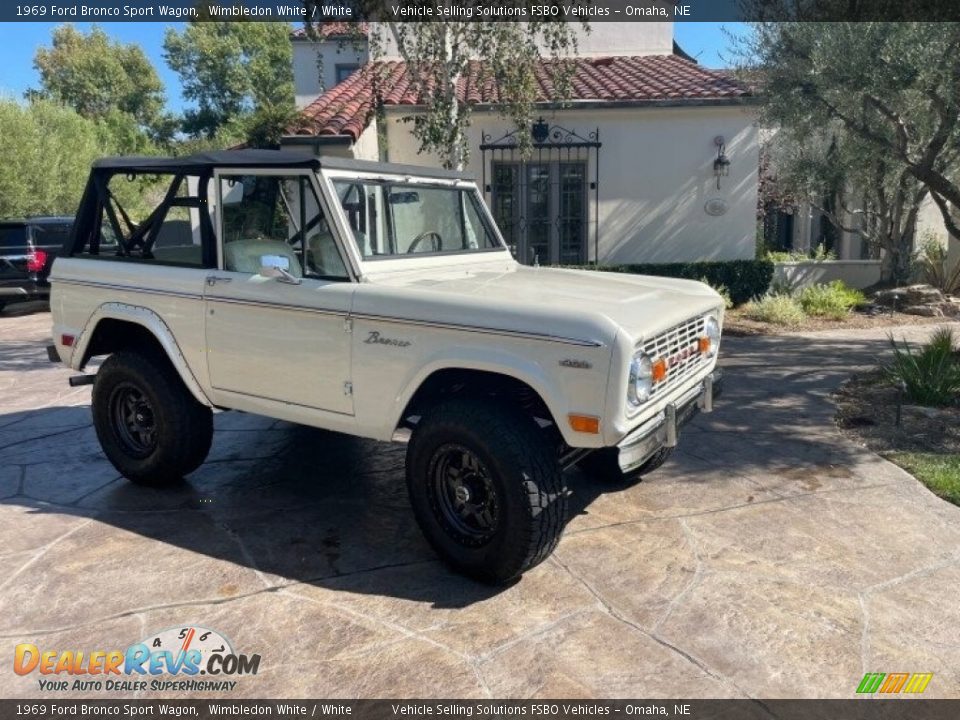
244 255
324 258
175 244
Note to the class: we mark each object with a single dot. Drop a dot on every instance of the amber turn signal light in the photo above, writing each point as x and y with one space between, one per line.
704 344
585 423
659 370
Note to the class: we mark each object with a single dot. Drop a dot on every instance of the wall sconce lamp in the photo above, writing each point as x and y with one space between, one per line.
540 130
721 166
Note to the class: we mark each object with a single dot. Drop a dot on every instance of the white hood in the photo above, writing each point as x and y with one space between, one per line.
522 298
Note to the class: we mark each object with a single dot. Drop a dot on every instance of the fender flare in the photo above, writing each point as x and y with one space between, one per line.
489 360
151 322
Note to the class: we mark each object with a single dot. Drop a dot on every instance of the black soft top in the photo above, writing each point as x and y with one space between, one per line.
195 164
203 164
137 239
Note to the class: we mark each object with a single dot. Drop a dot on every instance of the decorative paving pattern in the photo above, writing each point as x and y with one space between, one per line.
770 558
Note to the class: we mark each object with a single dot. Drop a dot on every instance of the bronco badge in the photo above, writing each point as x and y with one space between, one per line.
375 338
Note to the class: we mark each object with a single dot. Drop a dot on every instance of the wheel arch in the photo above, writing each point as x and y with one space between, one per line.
117 326
464 377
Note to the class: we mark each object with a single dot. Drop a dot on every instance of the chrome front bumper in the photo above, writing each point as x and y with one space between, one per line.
662 430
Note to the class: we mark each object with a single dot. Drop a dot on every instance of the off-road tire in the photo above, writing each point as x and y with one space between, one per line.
602 465
524 477
182 427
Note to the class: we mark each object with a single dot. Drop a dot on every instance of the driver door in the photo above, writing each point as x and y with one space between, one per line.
280 337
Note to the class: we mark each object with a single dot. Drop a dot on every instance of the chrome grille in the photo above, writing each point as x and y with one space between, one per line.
679 347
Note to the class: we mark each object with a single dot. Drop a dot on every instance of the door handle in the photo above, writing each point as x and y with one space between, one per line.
214 279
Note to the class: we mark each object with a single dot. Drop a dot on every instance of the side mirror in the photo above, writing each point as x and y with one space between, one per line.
278 267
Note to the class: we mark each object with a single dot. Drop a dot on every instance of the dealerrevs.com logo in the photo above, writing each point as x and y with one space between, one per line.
191 658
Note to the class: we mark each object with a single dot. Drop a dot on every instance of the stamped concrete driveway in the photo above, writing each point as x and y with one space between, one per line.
770 558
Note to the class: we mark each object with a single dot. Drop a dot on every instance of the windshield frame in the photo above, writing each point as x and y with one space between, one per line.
329 176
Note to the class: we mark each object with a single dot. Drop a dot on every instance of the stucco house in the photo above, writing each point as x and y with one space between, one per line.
653 159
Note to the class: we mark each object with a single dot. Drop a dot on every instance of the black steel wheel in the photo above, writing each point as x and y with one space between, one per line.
463 495
149 425
133 420
486 488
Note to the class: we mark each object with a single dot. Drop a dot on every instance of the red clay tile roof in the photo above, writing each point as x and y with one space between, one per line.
328 30
346 109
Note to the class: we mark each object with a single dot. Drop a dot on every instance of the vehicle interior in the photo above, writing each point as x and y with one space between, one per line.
391 219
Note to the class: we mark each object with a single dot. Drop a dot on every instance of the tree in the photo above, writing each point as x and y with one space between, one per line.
858 189
235 72
895 87
47 150
438 54
97 77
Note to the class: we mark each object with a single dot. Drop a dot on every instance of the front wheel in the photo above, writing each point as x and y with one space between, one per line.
149 425
486 489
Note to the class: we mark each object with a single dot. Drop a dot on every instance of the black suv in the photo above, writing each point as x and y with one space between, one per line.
27 250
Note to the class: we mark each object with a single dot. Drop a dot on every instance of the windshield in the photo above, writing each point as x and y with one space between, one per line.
392 219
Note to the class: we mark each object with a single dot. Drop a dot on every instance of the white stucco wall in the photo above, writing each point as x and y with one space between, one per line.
855 273
603 39
306 73
656 176
626 38
367 147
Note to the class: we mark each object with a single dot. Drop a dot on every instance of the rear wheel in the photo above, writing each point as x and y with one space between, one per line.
603 465
149 425
486 489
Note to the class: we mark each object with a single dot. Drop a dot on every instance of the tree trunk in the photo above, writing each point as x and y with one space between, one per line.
898 250
450 79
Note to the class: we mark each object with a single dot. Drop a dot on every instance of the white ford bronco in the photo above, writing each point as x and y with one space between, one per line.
381 301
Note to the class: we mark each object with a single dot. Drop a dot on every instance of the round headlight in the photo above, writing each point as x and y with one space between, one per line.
711 328
641 379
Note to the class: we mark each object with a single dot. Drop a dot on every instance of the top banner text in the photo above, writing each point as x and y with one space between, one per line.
320 11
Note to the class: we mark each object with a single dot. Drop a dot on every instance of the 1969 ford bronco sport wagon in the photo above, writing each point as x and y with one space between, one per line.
380 301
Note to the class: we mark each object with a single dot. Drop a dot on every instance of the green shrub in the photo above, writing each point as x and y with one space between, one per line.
744 279
784 256
776 309
932 265
834 300
930 376
722 291
818 254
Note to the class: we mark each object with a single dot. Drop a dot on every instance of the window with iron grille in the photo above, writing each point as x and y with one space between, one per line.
541 200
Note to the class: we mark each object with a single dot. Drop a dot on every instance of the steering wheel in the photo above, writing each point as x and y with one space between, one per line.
436 242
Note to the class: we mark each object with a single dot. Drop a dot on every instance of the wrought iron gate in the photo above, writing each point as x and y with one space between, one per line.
542 202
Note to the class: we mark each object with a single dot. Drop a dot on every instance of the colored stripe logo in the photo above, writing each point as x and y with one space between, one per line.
893 683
